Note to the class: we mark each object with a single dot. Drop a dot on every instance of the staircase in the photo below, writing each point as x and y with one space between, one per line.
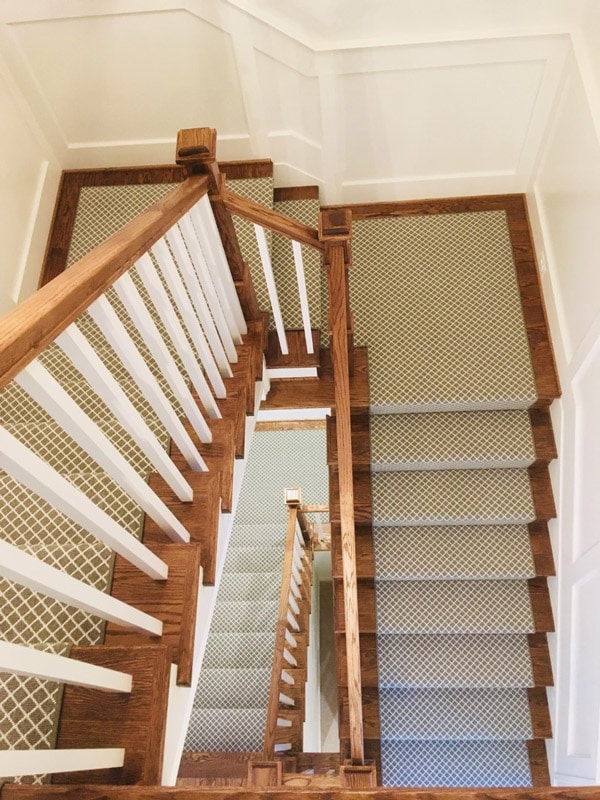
454 449
453 505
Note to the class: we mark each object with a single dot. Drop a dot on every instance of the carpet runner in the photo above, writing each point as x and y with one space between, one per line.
450 377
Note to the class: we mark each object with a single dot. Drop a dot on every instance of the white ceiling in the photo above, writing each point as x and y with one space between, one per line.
377 100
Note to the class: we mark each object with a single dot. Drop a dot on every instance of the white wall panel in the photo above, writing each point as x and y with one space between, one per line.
291 99
566 206
448 121
28 181
131 78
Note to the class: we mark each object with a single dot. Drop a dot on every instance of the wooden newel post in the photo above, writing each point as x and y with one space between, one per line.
196 150
335 232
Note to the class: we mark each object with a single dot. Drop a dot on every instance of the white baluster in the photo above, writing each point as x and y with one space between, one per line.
199 301
289 657
33 472
265 257
208 233
297 249
34 663
111 326
36 762
290 639
182 301
131 299
204 276
292 622
293 604
38 383
84 357
28 571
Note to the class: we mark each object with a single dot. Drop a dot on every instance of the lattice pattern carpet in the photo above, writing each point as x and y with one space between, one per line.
231 701
436 301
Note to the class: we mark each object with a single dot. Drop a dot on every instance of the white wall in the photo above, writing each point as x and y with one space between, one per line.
29 176
565 205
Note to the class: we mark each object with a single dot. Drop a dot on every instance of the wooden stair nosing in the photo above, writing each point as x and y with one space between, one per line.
135 721
173 601
200 517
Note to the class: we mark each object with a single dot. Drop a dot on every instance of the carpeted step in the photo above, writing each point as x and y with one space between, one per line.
233 688
245 558
226 728
455 763
455 440
453 607
448 334
245 616
452 497
453 660
453 552
250 586
454 714
233 650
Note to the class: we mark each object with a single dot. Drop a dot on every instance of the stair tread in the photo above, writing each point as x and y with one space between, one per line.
233 688
245 616
453 660
250 586
449 331
453 552
482 763
464 713
453 607
454 440
239 650
475 497
226 729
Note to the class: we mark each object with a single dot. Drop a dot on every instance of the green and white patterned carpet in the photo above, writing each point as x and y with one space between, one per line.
436 302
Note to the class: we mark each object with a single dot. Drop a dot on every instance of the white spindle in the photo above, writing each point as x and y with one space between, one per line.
292 622
208 233
173 280
39 383
35 762
297 248
290 639
33 472
186 238
111 326
28 571
131 299
293 604
289 657
199 301
287 678
284 723
34 663
265 257
294 588
84 357
286 699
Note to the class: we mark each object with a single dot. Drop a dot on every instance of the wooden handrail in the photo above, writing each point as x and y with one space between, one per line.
282 614
37 321
336 235
261 215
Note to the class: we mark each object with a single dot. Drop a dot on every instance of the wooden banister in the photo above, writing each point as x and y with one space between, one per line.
335 230
261 215
37 321
280 630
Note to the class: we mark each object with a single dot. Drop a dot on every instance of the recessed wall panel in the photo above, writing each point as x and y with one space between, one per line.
134 76
455 120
